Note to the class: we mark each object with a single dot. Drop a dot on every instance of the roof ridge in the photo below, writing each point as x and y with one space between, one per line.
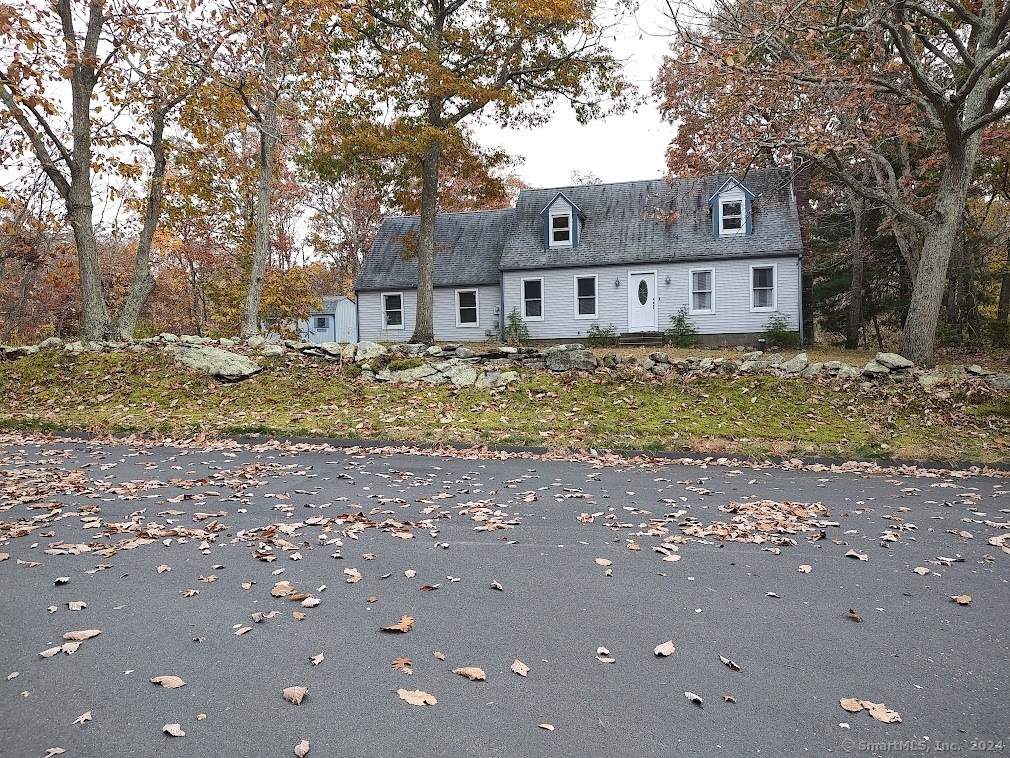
454 213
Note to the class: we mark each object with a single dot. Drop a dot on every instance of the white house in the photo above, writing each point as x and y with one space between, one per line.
627 256
336 321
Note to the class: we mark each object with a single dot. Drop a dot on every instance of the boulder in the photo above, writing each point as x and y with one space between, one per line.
465 352
811 370
460 375
999 382
221 364
978 370
433 351
412 348
426 372
845 372
610 360
659 357
754 355
167 337
12 353
257 340
272 351
661 369
795 365
578 359
647 364
747 366
875 369
892 361
330 349
347 354
931 379
51 342
225 342
367 350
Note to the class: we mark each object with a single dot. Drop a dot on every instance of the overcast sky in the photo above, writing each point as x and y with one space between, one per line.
620 148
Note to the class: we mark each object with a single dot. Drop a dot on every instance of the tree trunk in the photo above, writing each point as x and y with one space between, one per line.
143 279
855 320
1003 309
919 334
268 141
424 330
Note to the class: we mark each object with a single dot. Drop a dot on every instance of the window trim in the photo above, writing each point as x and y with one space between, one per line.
325 322
382 302
596 297
775 288
723 201
476 304
523 298
690 291
550 229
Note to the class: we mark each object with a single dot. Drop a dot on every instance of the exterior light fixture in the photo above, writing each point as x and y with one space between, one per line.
617 282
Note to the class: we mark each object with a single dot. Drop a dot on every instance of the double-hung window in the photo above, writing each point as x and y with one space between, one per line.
731 217
703 291
762 296
392 310
585 296
466 308
561 229
533 299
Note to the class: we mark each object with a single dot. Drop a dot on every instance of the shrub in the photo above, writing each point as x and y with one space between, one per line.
601 336
998 333
778 333
515 331
682 332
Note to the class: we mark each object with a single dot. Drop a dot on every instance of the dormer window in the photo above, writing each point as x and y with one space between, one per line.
731 217
561 230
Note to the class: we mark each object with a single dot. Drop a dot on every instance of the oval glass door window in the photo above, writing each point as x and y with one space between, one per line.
643 292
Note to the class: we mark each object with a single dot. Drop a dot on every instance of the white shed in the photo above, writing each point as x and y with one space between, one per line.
336 321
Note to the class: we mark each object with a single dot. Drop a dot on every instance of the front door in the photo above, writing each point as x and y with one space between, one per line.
642 302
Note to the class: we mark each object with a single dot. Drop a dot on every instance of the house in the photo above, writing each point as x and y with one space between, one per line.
628 256
335 321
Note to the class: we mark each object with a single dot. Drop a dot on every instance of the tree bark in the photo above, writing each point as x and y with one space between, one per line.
424 330
855 320
1003 308
143 279
268 142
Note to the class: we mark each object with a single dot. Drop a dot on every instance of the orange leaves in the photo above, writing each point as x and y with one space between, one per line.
404 625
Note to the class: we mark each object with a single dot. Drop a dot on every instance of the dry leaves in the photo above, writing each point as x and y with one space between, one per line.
857 556
84 634
665 649
604 562
694 698
77 605
497 586
189 592
603 655
520 668
168 682
54 751
921 570
855 616
83 717
731 665
416 697
162 569
548 727
961 599
403 664
472 673
879 711
302 749
403 626
439 654
352 575
282 589
805 568
295 694
173 730
316 659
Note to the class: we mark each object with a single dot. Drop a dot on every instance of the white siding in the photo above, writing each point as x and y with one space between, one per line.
444 316
732 297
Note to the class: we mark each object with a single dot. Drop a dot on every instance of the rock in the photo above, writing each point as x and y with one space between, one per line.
413 349
167 337
273 351
74 347
747 366
347 354
661 369
12 353
999 382
659 357
330 349
450 348
795 365
225 342
51 342
610 360
194 339
754 355
139 347
978 370
562 348
563 360
460 375
875 369
508 350
845 372
257 340
647 364
221 364
707 364
465 352
811 370
932 379
414 374
433 350
367 350
892 361
832 366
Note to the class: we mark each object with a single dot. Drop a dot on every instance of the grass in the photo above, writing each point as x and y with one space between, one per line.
296 396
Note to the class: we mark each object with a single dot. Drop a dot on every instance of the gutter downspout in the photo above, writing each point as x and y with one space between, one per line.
501 297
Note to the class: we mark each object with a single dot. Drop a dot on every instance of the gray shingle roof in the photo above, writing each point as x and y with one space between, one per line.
329 306
631 222
467 249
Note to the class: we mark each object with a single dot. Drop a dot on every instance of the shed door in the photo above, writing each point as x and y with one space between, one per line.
642 302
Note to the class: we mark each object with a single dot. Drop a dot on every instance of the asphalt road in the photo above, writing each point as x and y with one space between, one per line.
942 666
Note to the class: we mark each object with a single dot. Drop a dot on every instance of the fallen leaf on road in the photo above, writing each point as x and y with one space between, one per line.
729 698
87 634
857 556
773 550
173 730
520 668
855 616
162 569
604 562
404 625
168 682
696 699
472 673
259 616
548 727
77 605
242 630
410 573
70 647
209 578
247 585
61 580
403 664
352 575
201 717
805 568
732 665
54 751
189 592
438 654
430 587
13 675
921 570
302 749
879 711
311 602
603 655
416 697
497 586
282 589
671 558
50 652
298 616
665 649
316 659
295 694
961 599
83 717
4 556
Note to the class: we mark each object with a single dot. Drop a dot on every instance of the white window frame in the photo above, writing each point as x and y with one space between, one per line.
563 243
522 297
403 310
690 291
775 288
476 302
596 296
723 202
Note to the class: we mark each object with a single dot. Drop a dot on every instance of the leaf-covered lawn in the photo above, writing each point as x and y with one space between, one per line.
146 393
